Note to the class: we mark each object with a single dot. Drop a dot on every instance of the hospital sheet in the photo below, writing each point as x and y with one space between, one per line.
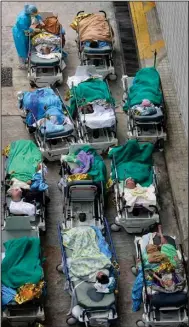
42 102
21 263
134 160
24 157
100 118
139 195
95 27
89 91
146 85
86 257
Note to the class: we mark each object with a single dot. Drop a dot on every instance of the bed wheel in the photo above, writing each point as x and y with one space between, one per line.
71 321
112 77
59 268
140 323
160 145
134 270
114 228
42 232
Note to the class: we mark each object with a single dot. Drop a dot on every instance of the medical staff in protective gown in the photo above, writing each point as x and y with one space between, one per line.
21 32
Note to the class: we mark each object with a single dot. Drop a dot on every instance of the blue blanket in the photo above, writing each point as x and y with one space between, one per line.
42 103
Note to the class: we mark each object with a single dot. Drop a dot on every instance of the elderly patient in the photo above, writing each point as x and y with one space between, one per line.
18 206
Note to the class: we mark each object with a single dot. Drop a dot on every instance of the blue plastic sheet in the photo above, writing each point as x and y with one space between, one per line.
103 245
42 103
7 295
38 183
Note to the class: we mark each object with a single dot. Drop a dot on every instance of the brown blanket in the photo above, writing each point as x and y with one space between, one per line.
95 28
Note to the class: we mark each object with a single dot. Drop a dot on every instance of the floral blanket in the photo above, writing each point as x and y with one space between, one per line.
86 256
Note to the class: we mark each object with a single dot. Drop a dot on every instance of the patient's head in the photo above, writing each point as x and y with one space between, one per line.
94 44
130 183
146 103
82 217
102 278
16 194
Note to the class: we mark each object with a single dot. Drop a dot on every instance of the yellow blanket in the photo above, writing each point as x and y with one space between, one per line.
94 27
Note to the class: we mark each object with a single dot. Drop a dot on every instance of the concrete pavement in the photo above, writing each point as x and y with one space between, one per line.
149 37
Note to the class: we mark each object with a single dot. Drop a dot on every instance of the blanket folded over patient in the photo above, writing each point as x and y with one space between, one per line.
146 85
139 195
89 91
95 28
86 256
24 158
134 160
22 262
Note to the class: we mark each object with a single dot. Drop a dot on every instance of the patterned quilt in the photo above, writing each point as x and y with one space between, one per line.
86 257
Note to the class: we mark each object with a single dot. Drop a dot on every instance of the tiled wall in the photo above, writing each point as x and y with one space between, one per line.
173 18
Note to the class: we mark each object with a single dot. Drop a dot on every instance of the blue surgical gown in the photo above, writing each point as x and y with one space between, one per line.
21 40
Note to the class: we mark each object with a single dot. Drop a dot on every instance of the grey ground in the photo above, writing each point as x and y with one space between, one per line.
58 302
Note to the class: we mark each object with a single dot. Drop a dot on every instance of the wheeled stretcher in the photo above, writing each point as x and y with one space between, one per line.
93 110
47 117
88 306
145 107
137 208
83 194
28 201
95 45
163 306
46 71
31 311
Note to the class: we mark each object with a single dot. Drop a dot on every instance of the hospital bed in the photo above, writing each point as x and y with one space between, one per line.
38 199
135 214
51 143
81 196
99 127
43 72
163 309
145 128
84 308
31 311
102 56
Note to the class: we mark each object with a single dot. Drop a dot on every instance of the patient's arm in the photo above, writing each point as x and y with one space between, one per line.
163 240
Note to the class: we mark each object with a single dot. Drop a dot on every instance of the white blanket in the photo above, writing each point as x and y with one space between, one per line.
22 208
100 118
139 195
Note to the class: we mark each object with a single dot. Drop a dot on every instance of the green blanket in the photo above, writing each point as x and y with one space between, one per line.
24 156
97 170
86 257
88 91
22 263
133 160
146 85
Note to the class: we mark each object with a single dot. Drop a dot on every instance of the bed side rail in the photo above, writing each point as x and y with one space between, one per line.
111 245
64 257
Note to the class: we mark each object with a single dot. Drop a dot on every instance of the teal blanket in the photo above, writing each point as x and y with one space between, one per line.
22 262
133 160
146 85
24 157
98 170
89 91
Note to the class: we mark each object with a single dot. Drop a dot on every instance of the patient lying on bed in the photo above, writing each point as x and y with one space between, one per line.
104 284
136 194
18 206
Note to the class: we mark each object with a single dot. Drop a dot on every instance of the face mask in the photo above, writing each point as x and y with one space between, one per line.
33 15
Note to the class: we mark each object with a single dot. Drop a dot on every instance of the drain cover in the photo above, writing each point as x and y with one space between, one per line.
6 76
